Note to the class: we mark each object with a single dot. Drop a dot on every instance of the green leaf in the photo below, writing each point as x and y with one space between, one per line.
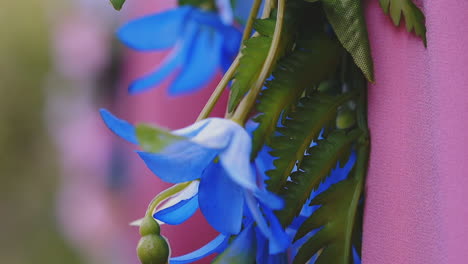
348 22
311 62
314 168
255 51
336 216
155 139
414 18
298 130
339 215
117 4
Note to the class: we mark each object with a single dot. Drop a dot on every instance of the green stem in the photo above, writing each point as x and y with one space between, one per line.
219 89
164 195
245 106
249 25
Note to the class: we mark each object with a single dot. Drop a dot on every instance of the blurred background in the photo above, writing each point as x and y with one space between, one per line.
68 187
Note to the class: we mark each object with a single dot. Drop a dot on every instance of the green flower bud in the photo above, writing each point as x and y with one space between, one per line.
345 119
149 226
153 249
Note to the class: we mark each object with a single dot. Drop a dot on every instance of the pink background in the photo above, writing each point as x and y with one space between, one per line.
416 206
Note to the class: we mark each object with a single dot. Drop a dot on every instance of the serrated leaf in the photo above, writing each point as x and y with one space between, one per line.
336 216
311 62
117 4
314 169
155 139
414 18
299 129
348 22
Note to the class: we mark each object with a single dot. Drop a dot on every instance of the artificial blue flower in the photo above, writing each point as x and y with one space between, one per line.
225 184
200 43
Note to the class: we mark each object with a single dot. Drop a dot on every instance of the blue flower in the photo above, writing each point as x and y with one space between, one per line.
200 43
216 152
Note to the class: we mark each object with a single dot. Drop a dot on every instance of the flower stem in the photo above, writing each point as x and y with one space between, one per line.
250 20
245 106
164 195
219 89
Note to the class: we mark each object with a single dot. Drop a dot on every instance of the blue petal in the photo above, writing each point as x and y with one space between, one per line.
356 258
221 200
178 213
120 127
279 241
213 246
183 161
241 250
176 59
231 43
154 32
269 199
201 62
144 83
192 130
236 158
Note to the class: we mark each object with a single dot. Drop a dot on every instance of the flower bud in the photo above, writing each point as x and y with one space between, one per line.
345 119
153 249
149 226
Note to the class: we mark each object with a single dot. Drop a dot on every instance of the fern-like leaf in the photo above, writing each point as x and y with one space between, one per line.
301 127
348 22
314 168
336 217
312 61
414 18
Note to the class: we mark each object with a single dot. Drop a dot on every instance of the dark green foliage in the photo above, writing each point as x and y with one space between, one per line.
414 18
312 61
117 4
314 168
254 54
336 217
348 22
300 128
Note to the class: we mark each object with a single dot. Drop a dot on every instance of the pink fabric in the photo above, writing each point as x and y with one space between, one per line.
416 209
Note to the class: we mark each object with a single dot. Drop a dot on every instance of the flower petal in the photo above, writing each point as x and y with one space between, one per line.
178 213
279 241
192 130
172 61
236 158
201 63
213 246
231 42
241 249
269 199
120 127
221 200
180 162
155 32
